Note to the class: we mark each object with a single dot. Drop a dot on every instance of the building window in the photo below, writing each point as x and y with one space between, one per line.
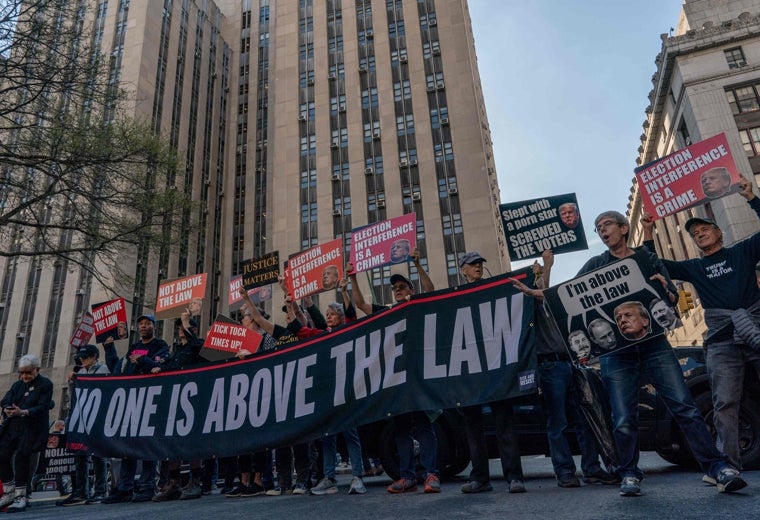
735 58
751 141
402 90
743 99
683 132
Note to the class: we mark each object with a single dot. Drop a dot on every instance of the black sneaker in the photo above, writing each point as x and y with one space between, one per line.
568 480
143 496
117 497
72 501
97 499
237 492
729 480
601 477
474 486
254 490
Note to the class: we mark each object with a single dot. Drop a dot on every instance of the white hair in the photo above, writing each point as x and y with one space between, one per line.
29 361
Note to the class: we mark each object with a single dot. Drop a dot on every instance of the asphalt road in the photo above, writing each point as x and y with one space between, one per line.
669 492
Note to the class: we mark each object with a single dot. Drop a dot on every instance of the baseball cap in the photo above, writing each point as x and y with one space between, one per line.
401 278
471 258
86 351
148 317
698 220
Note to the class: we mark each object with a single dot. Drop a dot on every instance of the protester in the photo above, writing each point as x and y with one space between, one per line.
725 278
185 355
89 359
24 431
335 317
142 357
471 267
560 397
652 358
287 458
407 422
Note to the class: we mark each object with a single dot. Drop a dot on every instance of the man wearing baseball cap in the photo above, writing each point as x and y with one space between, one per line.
428 442
471 267
145 354
728 290
87 363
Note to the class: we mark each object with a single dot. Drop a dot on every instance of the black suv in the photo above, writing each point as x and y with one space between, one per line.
659 431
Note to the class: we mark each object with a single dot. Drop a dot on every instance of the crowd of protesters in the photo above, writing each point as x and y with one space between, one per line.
733 342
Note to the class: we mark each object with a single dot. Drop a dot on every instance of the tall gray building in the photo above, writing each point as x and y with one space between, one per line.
297 121
707 82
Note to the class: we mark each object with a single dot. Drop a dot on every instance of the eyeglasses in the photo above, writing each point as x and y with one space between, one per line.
603 225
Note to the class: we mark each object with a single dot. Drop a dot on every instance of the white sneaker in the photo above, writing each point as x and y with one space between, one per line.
326 486
710 481
19 504
357 487
9 493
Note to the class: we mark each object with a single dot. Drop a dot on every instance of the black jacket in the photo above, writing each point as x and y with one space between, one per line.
36 397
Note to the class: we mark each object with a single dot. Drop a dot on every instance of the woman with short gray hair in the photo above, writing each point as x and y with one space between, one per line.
24 431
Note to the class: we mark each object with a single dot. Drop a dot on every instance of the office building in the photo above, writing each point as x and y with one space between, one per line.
296 122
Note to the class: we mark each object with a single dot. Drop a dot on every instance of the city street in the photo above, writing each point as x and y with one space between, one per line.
669 492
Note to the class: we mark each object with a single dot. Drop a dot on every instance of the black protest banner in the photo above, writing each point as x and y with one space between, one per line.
611 306
455 347
533 226
261 271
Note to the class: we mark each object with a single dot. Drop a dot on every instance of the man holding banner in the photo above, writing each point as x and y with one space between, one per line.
653 357
471 267
405 423
725 279
141 358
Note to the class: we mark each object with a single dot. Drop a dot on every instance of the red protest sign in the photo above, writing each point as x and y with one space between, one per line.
174 296
383 243
227 337
691 176
110 320
257 294
84 331
315 270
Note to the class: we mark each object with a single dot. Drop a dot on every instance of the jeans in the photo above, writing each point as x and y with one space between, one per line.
329 449
82 480
147 480
405 443
561 405
726 364
654 359
506 441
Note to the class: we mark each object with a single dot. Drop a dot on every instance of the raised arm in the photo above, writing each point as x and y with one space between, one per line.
356 293
426 284
266 325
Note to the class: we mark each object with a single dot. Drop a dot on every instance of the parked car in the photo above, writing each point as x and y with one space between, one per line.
658 431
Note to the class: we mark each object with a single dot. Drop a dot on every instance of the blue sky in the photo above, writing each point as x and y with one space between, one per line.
566 84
